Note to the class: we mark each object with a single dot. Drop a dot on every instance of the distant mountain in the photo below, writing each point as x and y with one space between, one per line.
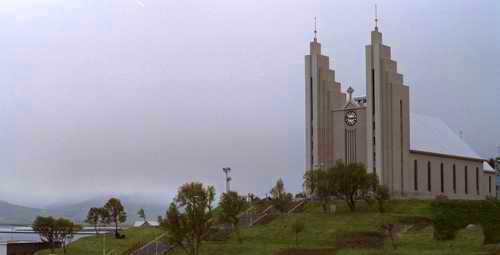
15 214
132 203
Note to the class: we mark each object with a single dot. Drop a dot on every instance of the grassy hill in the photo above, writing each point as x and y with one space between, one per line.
345 233
322 230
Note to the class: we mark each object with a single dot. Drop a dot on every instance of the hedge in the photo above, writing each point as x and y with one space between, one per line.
449 216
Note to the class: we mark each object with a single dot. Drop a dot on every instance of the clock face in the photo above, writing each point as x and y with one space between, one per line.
351 118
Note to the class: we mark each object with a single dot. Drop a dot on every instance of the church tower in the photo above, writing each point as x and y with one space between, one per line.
322 95
388 131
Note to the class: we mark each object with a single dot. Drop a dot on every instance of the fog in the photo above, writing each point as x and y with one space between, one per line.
124 96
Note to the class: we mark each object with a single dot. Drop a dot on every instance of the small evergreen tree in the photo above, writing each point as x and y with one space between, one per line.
232 205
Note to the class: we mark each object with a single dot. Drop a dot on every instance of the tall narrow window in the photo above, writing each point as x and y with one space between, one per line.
489 184
373 91
429 180
415 175
466 180
442 178
454 179
477 180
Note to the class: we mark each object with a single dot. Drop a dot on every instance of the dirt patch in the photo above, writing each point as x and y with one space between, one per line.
369 239
306 252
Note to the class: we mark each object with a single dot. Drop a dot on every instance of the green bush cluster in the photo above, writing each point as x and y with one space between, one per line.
449 216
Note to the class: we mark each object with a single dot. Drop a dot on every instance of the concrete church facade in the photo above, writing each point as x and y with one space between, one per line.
413 155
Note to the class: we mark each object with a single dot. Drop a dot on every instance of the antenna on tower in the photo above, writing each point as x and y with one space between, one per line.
315 28
376 18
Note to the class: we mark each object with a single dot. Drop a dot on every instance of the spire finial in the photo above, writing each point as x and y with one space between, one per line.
376 18
315 29
350 90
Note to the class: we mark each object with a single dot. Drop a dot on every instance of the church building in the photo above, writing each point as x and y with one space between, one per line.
413 155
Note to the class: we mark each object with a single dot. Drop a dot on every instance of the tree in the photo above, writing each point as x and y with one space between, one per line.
381 196
297 228
116 213
186 229
232 205
320 181
66 230
142 214
280 198
46 228
351 182
55 231
93 217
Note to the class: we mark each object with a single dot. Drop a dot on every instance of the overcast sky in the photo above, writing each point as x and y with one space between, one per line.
139 96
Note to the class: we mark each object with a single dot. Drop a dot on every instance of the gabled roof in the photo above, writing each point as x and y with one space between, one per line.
149 222
429 134
487 167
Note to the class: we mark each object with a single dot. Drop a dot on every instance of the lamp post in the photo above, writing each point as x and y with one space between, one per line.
227 170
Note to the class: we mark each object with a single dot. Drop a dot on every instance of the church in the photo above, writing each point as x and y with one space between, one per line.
414 156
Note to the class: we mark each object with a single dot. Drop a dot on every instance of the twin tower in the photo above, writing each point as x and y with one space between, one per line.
373 130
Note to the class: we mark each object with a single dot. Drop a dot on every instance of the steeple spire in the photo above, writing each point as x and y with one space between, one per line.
376 18
315 30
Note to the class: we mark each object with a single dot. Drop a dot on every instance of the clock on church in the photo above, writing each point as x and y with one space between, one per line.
351 118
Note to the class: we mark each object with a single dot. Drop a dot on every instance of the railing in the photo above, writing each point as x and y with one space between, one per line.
154 247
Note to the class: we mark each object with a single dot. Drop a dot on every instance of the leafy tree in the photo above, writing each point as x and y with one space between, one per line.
55 231
211 197
66 230
142 214
311 181
46 228
297 228
93 217
116 213
279 196
381 196
231 206
320 181
351 182
186 229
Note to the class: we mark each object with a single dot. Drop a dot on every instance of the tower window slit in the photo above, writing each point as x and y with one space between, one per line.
415 175
429 181
454 179
466 180
442 178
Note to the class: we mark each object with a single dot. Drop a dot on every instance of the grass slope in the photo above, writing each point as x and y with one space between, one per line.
94 244
321 230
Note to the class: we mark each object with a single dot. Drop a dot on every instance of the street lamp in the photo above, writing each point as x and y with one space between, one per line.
227 170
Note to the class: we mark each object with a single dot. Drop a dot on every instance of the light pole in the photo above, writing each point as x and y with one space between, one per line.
227 170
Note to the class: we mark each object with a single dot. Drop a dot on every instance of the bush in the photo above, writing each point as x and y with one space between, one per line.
449 216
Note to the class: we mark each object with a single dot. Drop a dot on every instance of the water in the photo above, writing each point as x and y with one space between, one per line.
17 233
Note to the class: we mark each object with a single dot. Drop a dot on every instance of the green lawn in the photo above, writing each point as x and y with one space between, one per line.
321 230
94 245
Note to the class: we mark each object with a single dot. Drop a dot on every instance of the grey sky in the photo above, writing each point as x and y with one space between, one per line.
141 96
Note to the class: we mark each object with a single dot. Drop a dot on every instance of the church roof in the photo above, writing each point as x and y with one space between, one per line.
429 134
487 167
